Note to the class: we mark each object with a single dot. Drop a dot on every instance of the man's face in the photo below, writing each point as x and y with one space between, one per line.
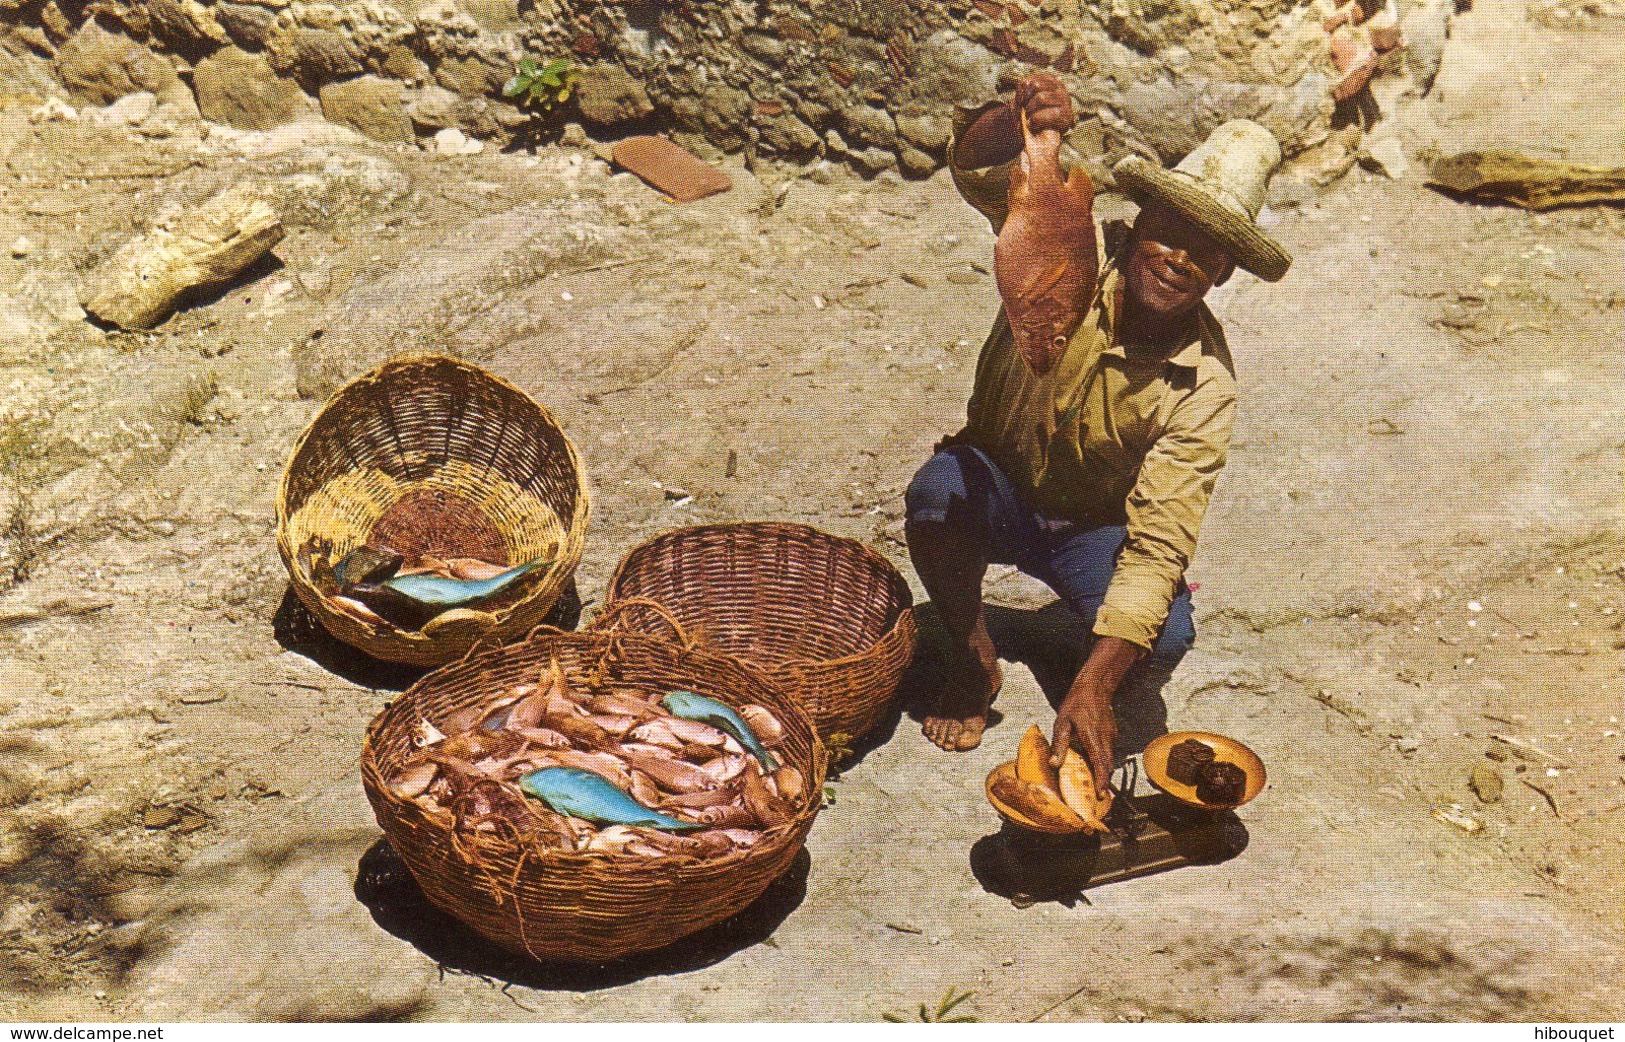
1171 262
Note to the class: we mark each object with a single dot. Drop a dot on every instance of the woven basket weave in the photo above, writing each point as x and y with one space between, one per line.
826 618
584 907
435 455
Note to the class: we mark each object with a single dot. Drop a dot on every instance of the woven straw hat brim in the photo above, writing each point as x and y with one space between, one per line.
1247 243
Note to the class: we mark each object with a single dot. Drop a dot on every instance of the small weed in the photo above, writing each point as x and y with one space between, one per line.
943 1014
542 88
22 468
839 746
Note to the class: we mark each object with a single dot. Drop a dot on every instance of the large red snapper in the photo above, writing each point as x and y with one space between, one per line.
1045 260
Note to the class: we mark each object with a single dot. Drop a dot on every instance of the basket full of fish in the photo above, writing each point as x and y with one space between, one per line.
586 796
429 505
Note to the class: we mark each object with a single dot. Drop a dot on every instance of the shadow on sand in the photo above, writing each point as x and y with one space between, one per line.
387 888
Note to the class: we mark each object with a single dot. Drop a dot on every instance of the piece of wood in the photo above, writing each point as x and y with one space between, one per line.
139 285
1529 751
670 168
1534 184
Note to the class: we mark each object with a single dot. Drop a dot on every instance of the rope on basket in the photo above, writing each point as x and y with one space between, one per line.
613 616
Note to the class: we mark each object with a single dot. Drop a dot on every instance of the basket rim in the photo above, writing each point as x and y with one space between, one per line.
613 596
418 645
372 778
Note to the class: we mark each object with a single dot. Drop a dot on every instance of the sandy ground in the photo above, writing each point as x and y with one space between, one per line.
1415 547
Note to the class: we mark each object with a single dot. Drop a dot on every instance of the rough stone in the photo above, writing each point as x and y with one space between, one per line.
787 136
724 114
869 126
99 67
915 163
928 132
471 77
872 161
240 89
954 70
432 108
370 104
326 187
126 111
608 95
322 56
186 25
248 25
1384 155
764 47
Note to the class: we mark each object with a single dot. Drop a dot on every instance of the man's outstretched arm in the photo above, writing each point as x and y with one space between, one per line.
1165 513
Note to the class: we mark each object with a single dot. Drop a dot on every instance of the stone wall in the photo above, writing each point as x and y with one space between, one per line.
866 82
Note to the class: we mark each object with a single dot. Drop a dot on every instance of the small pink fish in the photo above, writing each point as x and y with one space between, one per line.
723 815
763 724
581 730
625 705
1045 260
615 724
545 737
763 805
700 798
667 771
697 733
725 768
658 732
644 790
414 779
612 840
788 784
744 839
527 712
607 767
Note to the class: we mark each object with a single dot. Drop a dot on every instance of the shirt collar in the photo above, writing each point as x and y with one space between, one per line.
1188 356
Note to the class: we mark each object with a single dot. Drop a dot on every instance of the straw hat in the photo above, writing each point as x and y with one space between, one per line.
1220 187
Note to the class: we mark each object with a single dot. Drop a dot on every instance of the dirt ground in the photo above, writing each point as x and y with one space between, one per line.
1415 548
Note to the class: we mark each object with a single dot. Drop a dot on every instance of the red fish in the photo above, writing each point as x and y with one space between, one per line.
1045 260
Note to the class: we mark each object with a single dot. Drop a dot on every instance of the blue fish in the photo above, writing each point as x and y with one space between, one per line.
412 600
440 592
690 706
583 794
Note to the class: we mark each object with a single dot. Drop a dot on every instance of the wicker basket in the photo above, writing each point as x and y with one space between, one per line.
435 455
827 618
566 906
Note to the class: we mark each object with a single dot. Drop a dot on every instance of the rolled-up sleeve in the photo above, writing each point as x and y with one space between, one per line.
986 188
1165 511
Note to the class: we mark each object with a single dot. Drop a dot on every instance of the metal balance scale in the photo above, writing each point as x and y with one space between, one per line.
1148 833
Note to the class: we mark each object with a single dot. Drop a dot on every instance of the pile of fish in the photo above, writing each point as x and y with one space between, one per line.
1031 793
378 585
604 770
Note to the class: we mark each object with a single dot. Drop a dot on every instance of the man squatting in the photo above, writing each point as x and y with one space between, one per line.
1094 476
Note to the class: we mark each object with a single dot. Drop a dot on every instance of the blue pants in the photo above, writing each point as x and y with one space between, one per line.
962 488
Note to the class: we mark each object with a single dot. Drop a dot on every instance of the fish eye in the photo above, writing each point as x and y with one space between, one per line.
1060 341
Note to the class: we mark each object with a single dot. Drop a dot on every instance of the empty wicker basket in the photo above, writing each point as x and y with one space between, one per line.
826 618
434 455
584 906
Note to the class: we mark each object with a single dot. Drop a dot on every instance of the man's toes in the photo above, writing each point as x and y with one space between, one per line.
970 734
934 731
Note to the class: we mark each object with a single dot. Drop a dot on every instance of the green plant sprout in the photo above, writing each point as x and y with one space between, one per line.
542 88
943 1014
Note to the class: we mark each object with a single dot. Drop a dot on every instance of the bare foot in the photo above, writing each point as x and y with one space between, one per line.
960 716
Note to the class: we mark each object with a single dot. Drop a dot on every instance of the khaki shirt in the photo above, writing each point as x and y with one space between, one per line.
1114 434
